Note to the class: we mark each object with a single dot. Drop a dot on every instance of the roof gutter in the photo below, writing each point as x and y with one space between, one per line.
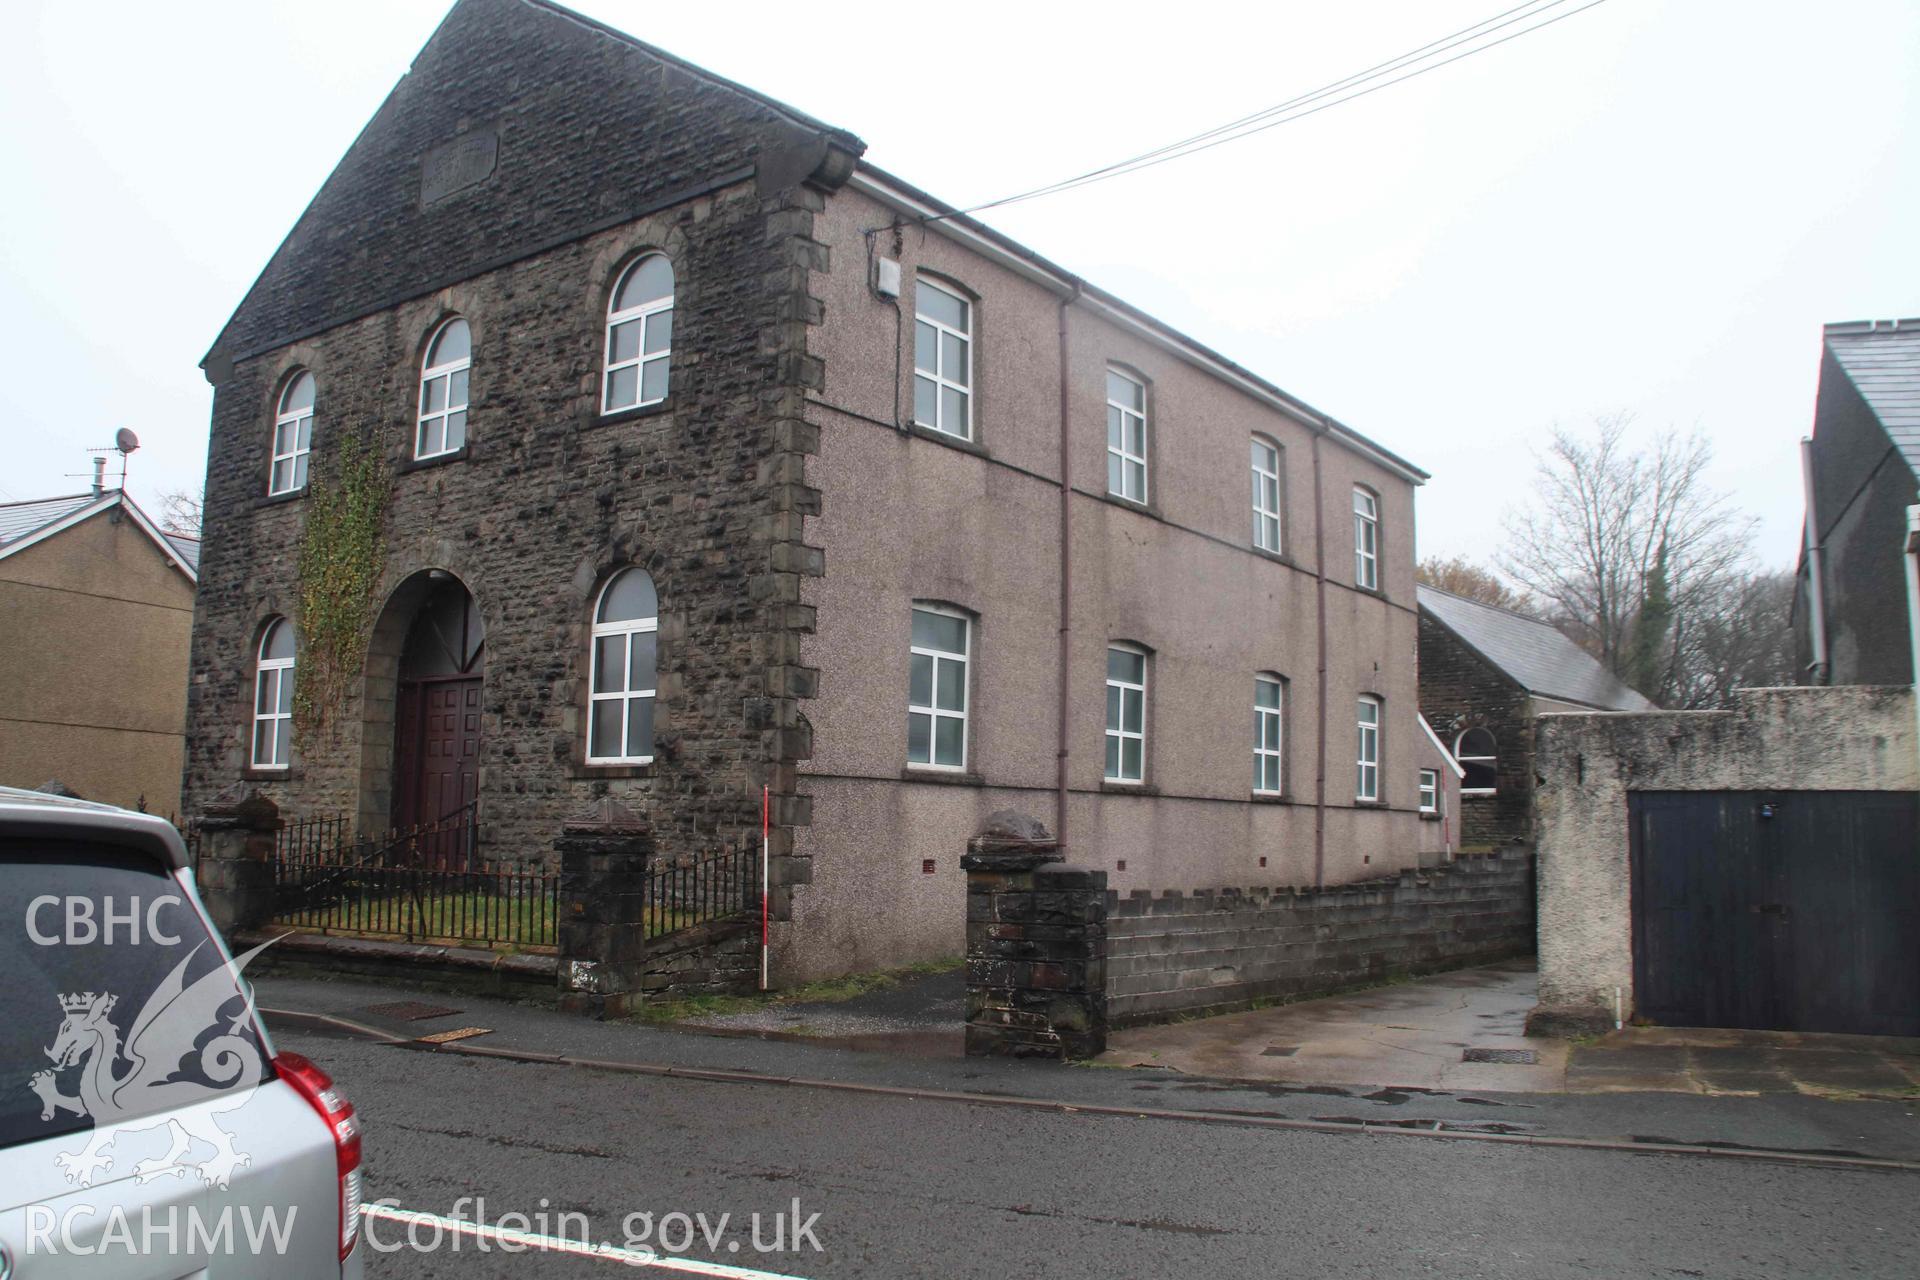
1030 266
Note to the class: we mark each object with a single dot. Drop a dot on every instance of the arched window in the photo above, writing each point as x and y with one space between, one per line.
1478 755
937 687
292 436
273 697
639 335
443 391
626 622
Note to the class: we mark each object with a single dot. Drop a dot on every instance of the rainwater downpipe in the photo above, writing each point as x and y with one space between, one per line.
1066 577
1320 609
1912 559
1816 592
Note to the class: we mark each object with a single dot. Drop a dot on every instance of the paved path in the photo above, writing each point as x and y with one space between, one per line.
1413 1033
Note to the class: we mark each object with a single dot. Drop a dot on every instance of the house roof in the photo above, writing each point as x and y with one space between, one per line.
18 519
1533 653
24 524
1882 360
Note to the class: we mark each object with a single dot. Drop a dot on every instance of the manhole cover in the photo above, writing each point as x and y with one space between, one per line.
458 1033
1518 1057
1280 1051
410 1010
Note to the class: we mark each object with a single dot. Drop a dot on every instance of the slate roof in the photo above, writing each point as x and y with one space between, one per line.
186 544
1882 359
18 519
1535 654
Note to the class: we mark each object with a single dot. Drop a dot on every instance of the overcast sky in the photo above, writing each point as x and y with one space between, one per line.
1650 207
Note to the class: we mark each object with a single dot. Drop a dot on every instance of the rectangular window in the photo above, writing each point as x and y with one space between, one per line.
1366 540
937 690
1429 791
1126 715
1266 496
1126 437
1269 703
942 360
1366 784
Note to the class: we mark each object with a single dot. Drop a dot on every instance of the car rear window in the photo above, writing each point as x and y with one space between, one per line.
103 1012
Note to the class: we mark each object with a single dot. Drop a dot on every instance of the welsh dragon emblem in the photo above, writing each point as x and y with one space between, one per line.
180 1028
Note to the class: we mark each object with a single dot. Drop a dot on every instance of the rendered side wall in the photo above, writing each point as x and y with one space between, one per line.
906 516
1857 738
95 624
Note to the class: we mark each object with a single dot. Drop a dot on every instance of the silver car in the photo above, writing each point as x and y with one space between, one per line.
147 1127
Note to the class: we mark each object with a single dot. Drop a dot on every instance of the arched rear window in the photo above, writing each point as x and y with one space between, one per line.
1478 755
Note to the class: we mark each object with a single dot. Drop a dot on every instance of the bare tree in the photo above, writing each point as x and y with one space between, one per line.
1739 636
180 511
1463 577
1601 521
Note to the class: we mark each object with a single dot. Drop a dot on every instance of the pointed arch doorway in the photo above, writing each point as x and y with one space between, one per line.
437 707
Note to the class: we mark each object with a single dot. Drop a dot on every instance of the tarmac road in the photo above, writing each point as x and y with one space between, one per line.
908 1187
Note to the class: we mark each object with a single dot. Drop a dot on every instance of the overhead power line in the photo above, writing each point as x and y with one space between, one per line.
1382 75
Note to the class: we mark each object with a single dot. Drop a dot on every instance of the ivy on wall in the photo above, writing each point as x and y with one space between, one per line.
342 552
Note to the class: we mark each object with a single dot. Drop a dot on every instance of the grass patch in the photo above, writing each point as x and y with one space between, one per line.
825 991
449 917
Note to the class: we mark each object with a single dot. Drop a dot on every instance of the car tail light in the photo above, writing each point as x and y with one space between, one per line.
316 1086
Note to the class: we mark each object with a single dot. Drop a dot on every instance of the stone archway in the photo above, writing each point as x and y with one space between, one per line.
421 713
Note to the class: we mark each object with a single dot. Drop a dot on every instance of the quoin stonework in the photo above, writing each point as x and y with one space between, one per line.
711 460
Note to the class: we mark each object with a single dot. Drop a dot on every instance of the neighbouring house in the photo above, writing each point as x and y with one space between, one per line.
1862 461
96 614
710 461
1486 673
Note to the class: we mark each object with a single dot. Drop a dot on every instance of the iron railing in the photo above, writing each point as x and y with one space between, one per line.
679 893
497 906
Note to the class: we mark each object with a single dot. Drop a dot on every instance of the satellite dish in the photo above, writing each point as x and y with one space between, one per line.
125 441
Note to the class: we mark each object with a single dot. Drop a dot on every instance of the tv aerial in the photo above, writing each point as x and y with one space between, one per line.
124 443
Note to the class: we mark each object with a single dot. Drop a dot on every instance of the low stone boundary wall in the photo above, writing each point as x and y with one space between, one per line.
1171 954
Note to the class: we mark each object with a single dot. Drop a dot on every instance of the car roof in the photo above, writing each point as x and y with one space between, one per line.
39 813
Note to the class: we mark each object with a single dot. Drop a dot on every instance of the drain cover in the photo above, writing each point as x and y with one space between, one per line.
410 1010
1280 1051
1518 1057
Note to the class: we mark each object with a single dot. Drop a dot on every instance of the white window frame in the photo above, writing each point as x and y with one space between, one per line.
442 372
1264 520
1366 539
936 713
627 628
281 671
1119 732
1430 791
938 376
1366 786
1128 416
299 425
642 357
1492 762
1275 755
